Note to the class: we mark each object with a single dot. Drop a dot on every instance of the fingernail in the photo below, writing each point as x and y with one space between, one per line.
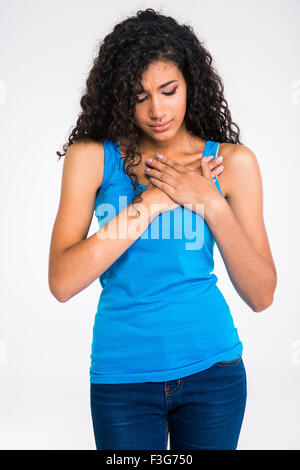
158 155
207 159
219 159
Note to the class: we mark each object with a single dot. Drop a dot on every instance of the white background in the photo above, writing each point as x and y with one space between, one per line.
47 49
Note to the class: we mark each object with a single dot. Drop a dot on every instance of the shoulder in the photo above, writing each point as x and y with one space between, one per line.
239 162
87 148
85 159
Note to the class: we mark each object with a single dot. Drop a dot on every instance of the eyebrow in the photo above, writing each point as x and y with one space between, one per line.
160 86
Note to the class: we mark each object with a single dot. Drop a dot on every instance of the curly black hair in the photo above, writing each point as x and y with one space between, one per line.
109 99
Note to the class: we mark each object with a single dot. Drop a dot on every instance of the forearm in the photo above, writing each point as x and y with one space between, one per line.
250 273
81 264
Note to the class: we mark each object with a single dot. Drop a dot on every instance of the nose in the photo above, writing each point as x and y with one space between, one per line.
156 111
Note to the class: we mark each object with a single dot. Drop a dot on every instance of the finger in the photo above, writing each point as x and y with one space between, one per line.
213 163
169 162
217 170
194 166
215 166
197 164
164 187
167 167
206 166
163 176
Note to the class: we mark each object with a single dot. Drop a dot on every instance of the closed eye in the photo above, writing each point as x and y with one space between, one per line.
165 93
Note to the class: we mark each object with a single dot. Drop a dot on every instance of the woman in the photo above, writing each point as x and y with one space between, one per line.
165 353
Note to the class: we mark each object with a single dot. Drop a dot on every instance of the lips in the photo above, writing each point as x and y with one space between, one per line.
163 126
160 124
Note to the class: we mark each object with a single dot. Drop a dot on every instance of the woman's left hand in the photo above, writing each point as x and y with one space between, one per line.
186 184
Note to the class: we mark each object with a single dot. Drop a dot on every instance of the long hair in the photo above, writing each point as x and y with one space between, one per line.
109 99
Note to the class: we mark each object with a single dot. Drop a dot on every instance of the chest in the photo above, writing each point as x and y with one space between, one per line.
187 160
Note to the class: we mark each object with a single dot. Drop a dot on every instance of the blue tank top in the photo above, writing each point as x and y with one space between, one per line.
160 314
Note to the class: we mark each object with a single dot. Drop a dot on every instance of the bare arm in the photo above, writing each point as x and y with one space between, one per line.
239 231
74 260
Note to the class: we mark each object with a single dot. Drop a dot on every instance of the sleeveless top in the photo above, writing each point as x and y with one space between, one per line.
160 314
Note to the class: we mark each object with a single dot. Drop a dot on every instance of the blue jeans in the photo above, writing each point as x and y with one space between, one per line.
200 411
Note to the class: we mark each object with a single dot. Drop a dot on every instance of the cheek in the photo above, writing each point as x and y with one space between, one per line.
139 115
180 102
178 108
177 103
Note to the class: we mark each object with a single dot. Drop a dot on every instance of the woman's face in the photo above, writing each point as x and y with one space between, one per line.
161 101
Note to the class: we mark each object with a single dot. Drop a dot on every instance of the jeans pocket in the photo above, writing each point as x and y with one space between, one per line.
229 363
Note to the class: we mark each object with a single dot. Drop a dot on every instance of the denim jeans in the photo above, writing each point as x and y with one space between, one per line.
200 411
